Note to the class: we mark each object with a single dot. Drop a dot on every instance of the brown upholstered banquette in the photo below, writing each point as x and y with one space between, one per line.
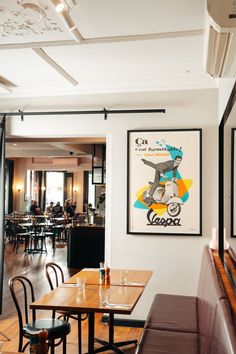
191 325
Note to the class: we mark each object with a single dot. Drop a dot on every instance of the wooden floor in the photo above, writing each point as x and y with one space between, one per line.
32 266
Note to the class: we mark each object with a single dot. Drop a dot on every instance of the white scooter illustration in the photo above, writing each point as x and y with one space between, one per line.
167 195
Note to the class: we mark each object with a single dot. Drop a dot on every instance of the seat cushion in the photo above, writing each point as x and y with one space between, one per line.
56 328
173 313
167 342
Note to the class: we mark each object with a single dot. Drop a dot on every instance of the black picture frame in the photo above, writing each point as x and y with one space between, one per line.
233 179
148 215
97 175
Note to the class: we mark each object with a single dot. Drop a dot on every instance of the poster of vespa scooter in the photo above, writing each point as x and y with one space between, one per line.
164 182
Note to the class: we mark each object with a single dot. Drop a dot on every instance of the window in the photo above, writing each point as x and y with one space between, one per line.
54 187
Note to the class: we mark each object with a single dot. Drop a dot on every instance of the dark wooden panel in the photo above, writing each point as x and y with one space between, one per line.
85 247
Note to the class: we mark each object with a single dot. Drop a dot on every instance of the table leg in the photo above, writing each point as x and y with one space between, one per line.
91 333
53 241
110 344
111 328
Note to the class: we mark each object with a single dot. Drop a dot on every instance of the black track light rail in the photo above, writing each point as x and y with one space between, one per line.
103 111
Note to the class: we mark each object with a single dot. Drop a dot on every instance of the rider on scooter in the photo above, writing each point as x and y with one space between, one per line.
161 168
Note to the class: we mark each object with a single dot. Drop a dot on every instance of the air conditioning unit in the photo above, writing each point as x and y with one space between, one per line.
221 38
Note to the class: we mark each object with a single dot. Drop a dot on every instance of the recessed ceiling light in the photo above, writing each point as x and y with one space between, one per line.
189 71
14 144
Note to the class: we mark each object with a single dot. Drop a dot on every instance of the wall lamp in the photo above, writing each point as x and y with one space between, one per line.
19 187
76 189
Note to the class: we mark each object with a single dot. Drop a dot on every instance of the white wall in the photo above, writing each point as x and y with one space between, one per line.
175 260
225 88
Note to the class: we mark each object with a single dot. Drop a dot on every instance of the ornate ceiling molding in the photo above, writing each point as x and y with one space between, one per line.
26 18
23 21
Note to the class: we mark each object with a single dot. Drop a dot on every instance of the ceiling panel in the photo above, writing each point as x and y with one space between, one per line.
108 66
106 18
62 147
133 62
26 69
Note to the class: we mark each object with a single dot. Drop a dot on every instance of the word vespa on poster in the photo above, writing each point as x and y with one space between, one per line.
164 182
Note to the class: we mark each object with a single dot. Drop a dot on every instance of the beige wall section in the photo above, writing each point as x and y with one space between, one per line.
78 195
20 168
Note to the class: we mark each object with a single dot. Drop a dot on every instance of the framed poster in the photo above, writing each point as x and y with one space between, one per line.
97 175
233 181
164 182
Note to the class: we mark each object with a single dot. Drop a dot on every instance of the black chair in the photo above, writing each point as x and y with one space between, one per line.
55 277
21 236
10 231
28 325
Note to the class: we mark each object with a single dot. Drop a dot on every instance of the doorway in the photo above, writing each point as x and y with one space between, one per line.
52 158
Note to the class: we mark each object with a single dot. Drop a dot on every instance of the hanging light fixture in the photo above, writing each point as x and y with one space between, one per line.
60 6
63 8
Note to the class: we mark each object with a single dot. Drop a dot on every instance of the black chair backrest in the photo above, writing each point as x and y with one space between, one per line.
9 228
54 275
17 284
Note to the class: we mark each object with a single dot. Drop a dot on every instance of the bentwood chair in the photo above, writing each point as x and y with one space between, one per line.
21 235
28 324
55 277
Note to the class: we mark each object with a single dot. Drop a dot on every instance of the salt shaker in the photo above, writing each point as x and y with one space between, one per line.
107 275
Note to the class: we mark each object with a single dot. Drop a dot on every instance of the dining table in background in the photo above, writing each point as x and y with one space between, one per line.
37 230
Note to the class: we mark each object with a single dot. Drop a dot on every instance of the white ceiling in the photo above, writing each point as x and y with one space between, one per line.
121 46
55 147
117 53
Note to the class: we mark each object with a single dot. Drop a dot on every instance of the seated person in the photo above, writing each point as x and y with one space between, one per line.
34 208
73 204
68 209
57 210
49 208
90 209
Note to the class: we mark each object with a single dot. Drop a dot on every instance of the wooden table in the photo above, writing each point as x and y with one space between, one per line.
69 297
122 300
134 277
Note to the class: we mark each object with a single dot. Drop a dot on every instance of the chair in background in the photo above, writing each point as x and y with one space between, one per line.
55 277
10 231
21 236
28 325
38 237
